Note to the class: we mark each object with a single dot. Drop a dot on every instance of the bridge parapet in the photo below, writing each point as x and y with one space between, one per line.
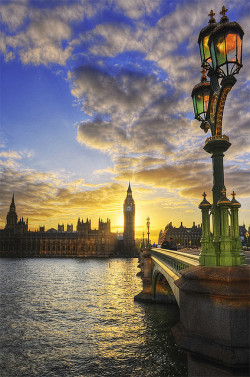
156 263
175 260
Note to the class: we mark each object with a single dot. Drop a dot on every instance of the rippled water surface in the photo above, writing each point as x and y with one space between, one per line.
77 317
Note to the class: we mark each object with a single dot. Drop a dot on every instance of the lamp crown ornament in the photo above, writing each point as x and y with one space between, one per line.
211 15
234 202
204 204
224 17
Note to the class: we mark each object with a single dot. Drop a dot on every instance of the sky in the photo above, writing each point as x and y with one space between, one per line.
95 93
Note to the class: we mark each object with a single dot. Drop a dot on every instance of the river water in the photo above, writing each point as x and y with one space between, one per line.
77 317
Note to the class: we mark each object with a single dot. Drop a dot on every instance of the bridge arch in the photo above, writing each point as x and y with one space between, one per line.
163 287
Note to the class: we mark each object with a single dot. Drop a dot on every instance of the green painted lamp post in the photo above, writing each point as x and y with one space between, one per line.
221 58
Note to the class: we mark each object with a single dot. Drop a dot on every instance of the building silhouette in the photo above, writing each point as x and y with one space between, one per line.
17 241
186 237
11 219
129 224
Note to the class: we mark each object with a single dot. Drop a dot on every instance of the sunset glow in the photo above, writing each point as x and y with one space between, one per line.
94 94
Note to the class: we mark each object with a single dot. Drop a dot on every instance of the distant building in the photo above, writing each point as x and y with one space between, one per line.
11 220
69 227
60 228
129 224
17 241
186 237
243 230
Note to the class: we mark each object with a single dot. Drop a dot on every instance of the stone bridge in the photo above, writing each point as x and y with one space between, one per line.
214 309
165 270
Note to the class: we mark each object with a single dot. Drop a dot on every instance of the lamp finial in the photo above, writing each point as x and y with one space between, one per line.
204 195
211 15
223 12
233 194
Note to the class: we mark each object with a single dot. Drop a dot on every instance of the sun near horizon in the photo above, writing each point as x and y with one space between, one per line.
159 215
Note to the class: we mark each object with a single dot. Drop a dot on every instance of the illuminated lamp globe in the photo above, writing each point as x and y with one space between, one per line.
225 44
200 95
203 39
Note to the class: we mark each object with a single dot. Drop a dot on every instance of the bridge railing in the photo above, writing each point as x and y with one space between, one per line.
176 260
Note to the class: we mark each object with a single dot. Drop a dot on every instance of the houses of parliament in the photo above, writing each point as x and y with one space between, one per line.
16 240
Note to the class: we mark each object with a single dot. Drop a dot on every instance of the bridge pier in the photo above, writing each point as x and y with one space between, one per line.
214 320
146 269
156 288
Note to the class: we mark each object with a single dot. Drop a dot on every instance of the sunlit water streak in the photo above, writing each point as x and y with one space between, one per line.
77 317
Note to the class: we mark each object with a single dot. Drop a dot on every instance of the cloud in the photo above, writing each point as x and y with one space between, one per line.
41 43
104 93
116 38
190 180
14 13
101 135
10 154
44 197
137 8
12 158
132 101
39 34
133 82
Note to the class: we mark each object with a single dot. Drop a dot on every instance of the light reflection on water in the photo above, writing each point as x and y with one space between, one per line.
77 317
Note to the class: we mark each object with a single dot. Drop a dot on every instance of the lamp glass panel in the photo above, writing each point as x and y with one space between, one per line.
213 55
206 48
231 47
231 68
195 107
202 53
199 103
239 49
206 100
220 50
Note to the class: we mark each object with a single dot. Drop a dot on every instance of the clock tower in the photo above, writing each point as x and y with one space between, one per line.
129 223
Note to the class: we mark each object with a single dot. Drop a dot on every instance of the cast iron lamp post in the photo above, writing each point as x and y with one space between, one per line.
221 57
148 225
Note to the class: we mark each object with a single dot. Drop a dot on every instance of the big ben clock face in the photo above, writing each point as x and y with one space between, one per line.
128 208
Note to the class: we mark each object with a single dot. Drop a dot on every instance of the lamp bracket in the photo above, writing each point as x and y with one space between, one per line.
214 81
226 85
218 94
228 81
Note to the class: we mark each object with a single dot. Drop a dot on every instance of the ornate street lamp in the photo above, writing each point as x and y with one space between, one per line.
203 41
148 225
225 44
200 95
221 56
